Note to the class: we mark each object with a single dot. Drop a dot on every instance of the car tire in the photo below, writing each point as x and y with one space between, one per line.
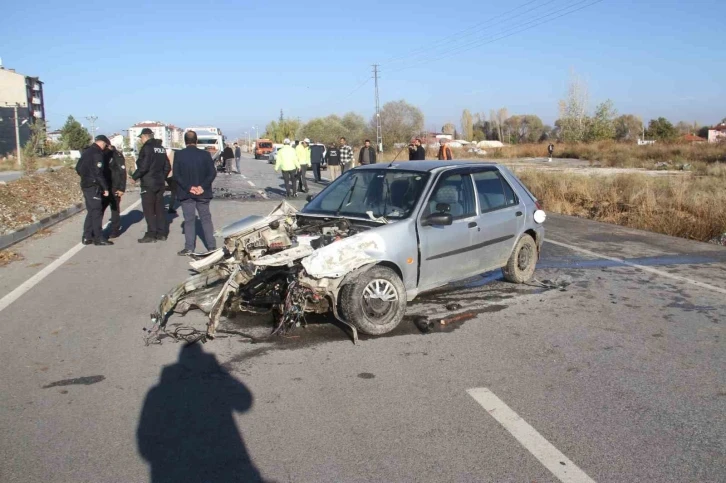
521 264
373 316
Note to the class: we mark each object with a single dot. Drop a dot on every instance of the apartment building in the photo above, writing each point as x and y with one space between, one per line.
25 92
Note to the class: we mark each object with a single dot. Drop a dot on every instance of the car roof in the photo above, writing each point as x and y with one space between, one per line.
425 165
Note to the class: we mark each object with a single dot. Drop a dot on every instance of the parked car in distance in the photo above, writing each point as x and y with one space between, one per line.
70 154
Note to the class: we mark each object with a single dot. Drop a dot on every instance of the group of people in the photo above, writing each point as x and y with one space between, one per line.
230 155
102 169
294 162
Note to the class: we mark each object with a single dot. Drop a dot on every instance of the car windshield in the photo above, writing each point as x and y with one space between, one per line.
388 193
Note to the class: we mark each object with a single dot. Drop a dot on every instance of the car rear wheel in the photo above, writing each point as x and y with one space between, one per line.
375 302
521 264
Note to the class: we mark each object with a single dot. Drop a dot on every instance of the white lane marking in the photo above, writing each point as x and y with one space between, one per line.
641 267
251 183
243 176
560 466
38 277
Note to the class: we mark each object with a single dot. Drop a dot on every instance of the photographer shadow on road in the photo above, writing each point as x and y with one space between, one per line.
187 430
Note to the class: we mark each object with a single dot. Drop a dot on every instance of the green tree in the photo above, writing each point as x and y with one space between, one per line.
662 129
448 128
703 132
467 125
34 146
400 122
602 126
277 131
73 135
526 128
628 127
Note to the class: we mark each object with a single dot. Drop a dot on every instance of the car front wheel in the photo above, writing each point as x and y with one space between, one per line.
375 302
521 264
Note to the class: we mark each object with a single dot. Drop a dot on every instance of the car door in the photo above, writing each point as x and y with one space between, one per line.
446 250
500 218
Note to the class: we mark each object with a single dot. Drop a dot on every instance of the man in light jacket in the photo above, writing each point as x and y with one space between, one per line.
288 163
303 157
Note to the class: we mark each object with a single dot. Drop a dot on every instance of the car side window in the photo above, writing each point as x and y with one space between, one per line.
494 191
456 191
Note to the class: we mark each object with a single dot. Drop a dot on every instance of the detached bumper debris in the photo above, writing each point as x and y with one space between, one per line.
274 264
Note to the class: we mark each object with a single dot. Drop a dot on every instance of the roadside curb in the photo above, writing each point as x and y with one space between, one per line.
14 237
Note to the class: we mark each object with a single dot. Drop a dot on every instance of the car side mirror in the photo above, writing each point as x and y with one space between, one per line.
309 198
443 208
438 219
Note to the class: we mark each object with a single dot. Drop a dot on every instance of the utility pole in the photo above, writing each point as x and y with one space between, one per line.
17 136
379 130
92 119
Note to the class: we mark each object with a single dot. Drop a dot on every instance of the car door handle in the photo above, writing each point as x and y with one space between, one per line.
519 213
472 224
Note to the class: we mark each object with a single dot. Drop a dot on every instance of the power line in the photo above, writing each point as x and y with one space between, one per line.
517 29
457 36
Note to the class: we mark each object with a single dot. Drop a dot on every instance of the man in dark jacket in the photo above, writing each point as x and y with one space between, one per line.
152 168
95 188
114 171
332 159
228 158
416 152
194 172
367 154
317 155
237 157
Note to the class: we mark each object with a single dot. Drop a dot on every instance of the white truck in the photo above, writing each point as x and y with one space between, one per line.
209 138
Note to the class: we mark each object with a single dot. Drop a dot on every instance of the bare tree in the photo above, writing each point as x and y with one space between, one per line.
400 121
467 125
573 110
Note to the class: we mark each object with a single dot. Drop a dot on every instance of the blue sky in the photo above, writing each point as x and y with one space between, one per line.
236 64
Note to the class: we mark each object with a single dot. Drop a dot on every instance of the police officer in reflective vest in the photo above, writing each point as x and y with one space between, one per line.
152 168
95 188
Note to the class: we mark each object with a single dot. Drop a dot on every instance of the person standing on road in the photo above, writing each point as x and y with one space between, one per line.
288 163
171 184
367 154
194 173
346 156
95 188
152 168
114 171
317 155
550 151
332 159
227 159
238 158
416 151
445 152
303 157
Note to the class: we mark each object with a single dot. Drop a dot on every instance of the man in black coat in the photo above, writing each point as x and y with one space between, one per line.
367 154
194 173
95 188
114 171
317 156
152 168
416 152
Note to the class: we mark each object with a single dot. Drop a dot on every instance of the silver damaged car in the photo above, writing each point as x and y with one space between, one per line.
366 245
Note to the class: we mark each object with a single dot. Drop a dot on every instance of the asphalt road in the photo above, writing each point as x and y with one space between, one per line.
617 376
7 176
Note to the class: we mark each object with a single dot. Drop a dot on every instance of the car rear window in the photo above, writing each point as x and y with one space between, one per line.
265 145
494 191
